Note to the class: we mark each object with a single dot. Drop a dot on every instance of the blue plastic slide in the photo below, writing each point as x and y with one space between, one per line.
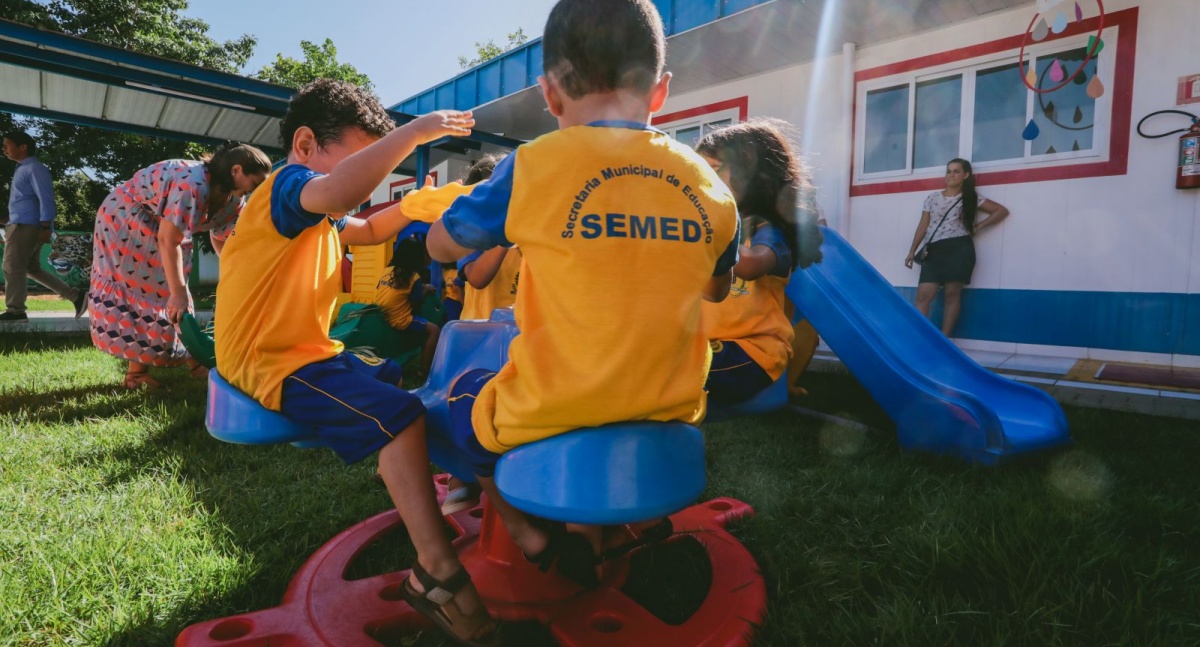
940 399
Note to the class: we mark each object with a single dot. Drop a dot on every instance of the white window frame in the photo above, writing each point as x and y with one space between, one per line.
967 69
672 128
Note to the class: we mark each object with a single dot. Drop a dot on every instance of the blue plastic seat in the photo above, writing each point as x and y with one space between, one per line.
615 474
234 417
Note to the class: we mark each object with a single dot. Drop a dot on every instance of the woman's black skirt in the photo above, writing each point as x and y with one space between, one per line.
951 260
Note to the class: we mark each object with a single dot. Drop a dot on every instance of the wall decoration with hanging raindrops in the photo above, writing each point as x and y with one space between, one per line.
1063 122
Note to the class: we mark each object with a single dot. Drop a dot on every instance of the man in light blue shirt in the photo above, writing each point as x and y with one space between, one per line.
30 222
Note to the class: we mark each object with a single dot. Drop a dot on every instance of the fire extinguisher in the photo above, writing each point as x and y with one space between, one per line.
1187 173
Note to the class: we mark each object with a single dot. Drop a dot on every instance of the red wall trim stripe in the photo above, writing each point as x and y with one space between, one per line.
741 103
1126 22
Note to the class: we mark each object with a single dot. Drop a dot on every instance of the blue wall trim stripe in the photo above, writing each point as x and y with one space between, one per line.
1150 322
519 68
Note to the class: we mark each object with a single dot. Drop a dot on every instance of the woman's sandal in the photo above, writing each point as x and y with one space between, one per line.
571 553
478 629
135 380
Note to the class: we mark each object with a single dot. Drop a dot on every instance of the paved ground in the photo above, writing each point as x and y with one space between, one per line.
1069 380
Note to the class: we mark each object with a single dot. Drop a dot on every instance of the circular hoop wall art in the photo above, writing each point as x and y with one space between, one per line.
1039 29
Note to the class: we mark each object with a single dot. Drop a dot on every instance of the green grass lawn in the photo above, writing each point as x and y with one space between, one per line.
48 303
122 521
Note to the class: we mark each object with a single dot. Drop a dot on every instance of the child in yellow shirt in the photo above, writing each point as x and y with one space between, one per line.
750 332
490 277
279 285
595 206
399 290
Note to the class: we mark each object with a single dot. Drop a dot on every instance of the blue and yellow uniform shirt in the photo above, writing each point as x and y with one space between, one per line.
500 293
397 298
621 228
754 315
280 277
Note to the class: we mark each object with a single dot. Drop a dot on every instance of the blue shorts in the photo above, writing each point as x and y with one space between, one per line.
352 402
453 309
734 377
462 433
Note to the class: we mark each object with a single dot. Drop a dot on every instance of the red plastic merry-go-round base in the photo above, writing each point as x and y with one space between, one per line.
321 608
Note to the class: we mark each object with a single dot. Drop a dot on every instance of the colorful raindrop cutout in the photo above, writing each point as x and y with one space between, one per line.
1060 23
1041 31
1095 88
1057 73
1095 46
1051 150
1080 78
1031 132
1031 77
1078 115
1076 146
1049 111
1078 13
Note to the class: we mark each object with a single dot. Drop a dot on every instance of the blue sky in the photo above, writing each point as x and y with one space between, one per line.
405 46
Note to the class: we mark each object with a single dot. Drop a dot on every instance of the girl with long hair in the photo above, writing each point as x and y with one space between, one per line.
750 331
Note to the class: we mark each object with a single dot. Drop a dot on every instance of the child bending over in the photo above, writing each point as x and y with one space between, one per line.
400 290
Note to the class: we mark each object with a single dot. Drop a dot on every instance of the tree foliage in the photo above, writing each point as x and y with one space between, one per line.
489 50
320 62
156 27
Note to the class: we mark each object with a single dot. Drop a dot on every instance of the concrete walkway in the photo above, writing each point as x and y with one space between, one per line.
1069 380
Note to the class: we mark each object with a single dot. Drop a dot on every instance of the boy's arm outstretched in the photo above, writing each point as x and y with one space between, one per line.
354 178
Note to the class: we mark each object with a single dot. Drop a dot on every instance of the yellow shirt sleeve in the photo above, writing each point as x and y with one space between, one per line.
429 203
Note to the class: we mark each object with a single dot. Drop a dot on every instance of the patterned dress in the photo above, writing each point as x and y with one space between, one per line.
128 297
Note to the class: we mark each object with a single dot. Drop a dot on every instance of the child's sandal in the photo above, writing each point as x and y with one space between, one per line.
477 629
135 380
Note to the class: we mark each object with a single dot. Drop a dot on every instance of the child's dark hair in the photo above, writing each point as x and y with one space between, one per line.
330 107
594 46
22 138
220 164
771 182
970 196
481 169
409 257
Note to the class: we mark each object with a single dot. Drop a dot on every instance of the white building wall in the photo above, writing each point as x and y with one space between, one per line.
1131 233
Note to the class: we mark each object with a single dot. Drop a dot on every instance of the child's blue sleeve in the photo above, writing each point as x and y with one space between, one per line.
772 237
477 220
468 259
287 215
729 257
417 294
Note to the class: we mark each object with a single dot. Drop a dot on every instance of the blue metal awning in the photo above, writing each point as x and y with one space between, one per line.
518 69
54 76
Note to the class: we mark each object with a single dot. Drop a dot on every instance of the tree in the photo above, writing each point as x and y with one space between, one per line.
489 50
320 62
155 27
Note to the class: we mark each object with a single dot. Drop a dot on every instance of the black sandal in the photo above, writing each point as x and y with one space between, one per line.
571 553
478 629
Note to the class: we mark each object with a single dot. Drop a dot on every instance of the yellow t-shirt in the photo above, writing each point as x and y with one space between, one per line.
450 288
280 277
500 293
394 299
620 228
753 315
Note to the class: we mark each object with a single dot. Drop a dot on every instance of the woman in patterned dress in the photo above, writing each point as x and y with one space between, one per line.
143 253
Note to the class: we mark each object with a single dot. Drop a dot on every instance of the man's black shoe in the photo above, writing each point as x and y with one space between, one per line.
81 303
8 315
